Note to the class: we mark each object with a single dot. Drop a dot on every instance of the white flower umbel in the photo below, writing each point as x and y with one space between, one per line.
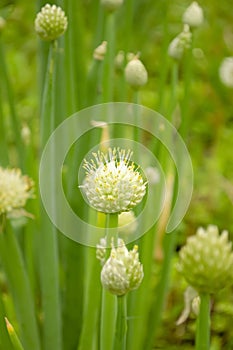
123 271
50 22
113 183
180 43
15 190
226 72
193 15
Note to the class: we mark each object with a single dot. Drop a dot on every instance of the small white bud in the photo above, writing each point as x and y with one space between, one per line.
193 15
136 73
180 43
100 51
226 72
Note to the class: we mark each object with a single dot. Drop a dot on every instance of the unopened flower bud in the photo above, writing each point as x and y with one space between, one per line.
206 261
193 15
226 72
50 22
136 73
196 305
100 51
180 43
111 5
123 271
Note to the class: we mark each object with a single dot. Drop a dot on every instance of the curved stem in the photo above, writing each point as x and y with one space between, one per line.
203 324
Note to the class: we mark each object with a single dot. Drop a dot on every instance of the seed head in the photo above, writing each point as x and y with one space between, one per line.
15 190
193 15
226 72
136 73
112 184
50 22
123 271
206 261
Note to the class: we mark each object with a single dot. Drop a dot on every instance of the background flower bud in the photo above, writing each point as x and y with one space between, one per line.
193 15
50 22
136 73
206 261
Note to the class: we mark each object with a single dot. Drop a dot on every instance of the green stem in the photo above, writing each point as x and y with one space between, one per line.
121 324
108 72
48 236
20 288
161 291
17 345
109 302
203 324
16 127
91 300
5 343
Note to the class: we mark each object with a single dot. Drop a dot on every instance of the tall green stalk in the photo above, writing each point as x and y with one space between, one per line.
121 323
108 72
203 324
16 127
14 266
109 301
49 265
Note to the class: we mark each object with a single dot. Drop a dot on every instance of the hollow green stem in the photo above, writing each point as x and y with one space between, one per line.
20 288
91 300
109 301
5 80
161 291
203 324
108 72
121 324
48 236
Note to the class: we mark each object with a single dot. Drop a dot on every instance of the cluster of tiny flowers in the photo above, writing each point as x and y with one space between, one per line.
15 190
111 5
50 22
206 261
180 43
136 73
193 15
226 72
123 271
112 184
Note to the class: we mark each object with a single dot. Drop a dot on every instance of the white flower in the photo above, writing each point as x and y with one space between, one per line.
180 43
193 15
15 190
112 184
136 73
123 271
50 22
226 71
